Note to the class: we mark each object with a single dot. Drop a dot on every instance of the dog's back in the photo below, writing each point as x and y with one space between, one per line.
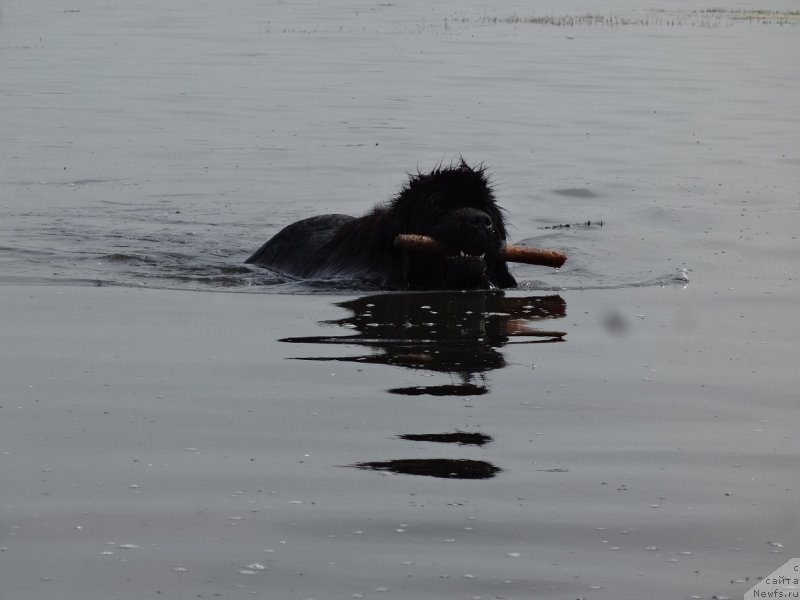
299 249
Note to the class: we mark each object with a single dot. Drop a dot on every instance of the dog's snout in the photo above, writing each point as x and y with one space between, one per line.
476 219
469 230
483 221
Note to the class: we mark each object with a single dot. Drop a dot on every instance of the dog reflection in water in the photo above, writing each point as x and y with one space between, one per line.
458 333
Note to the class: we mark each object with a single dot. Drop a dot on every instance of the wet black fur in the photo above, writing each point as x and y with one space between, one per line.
454 204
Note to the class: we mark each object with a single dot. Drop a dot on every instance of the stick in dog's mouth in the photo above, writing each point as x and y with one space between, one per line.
522 254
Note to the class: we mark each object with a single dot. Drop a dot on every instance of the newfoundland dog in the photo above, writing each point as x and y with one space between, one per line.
454 205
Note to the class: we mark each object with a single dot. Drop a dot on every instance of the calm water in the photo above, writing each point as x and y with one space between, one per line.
608 431
158 146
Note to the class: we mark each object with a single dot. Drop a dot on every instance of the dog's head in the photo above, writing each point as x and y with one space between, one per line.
456 206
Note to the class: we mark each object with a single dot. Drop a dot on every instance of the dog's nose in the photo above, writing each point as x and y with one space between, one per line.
477 219
467 229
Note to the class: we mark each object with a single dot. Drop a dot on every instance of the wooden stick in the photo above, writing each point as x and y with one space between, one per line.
418 243
532 256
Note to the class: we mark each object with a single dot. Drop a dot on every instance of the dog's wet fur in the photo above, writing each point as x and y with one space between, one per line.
453 204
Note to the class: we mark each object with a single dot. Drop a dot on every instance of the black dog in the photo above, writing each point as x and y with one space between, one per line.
455 205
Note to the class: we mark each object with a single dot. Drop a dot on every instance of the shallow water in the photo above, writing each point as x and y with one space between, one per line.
312 439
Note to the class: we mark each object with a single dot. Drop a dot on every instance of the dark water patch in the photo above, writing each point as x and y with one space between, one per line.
435 467
459 333
67 183
434 358
462 438
576 192
464 389
486 316
130 259
16 253
581 225
79 182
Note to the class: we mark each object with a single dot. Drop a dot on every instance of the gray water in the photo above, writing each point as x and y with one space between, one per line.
159 145
624 427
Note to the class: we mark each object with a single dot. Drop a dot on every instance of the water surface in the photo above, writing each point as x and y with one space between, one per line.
177 424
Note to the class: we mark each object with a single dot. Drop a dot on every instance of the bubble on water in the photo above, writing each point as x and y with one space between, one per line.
246 572
127 546
256 566
651 548
178 569
513 554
